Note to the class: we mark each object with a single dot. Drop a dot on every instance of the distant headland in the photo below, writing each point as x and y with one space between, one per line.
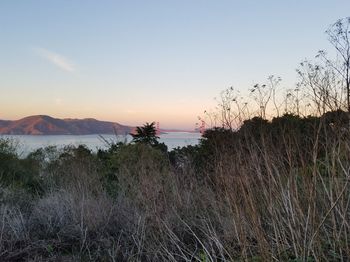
47 125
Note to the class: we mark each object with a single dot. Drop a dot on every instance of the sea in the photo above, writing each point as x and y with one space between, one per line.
28 143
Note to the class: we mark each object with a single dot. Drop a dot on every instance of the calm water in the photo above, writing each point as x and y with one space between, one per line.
94 142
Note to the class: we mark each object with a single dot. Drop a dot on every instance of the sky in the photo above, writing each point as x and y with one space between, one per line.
141 61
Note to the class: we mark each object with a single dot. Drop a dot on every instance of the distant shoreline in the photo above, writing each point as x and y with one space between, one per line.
47 125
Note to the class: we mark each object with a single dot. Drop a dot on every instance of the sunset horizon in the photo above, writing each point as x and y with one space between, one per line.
176 128
156 61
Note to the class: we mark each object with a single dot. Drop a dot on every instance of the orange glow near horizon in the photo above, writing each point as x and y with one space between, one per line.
168 118
166 64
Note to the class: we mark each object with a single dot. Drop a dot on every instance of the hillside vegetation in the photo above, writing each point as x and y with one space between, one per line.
271 190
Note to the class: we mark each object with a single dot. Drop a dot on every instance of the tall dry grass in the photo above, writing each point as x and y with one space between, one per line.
256 200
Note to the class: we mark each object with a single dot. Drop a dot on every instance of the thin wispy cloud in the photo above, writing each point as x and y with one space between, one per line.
58 60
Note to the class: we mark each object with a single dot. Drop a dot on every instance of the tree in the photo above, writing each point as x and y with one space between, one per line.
147 134
329 79
339 34
323 84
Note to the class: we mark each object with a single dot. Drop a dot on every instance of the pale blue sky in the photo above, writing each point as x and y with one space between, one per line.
137 61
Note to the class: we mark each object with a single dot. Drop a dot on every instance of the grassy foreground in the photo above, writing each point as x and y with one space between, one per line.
275 190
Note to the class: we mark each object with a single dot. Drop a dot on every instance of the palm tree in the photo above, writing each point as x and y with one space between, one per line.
146 134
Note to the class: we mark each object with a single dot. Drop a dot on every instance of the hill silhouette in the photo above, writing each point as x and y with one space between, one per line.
46 125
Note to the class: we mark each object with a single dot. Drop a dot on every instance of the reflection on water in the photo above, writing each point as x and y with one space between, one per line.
29 143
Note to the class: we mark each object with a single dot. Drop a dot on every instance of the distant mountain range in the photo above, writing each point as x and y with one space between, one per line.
46 125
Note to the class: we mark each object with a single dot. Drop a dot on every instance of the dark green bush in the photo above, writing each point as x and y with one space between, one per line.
16 172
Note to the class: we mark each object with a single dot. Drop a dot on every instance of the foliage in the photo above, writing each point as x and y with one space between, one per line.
16 172
146 134
268 190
